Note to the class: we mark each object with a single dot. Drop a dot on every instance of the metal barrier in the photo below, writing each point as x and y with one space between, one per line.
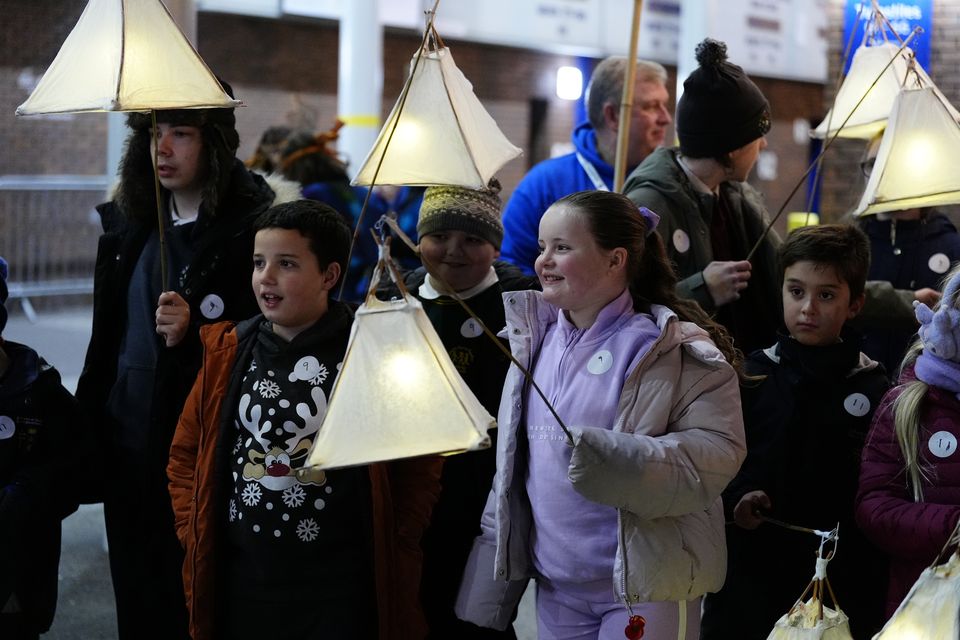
48 234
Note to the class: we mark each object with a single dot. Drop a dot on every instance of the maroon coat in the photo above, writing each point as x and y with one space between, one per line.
911 533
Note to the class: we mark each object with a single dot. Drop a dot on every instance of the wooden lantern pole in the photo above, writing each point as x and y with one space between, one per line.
626 102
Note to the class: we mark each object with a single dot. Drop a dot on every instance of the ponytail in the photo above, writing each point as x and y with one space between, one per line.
614 221
656 283
906 424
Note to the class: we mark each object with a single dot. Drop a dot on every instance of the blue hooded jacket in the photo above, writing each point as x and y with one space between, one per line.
543 185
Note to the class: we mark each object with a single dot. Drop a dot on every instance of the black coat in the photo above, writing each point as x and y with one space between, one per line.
221 265
36 477
909 254
806 421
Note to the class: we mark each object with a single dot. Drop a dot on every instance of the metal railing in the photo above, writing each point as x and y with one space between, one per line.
48 234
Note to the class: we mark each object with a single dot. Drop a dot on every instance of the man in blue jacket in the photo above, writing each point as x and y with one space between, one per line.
591 165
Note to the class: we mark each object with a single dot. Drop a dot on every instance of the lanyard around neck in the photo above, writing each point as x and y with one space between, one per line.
592 173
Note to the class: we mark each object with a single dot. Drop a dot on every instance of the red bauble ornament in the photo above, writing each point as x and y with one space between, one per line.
634 628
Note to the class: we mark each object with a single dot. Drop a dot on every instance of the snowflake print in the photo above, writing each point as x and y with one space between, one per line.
269 389
318 379
251 494
253 366
294 496
237 445
233 509
308 530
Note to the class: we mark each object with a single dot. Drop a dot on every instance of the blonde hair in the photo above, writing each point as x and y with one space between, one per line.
909 405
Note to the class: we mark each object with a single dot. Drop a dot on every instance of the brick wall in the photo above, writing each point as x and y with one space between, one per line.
285 70
294 81
789 101
31 32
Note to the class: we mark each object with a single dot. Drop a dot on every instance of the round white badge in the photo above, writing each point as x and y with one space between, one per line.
306 368
681 241
7 427
939 263
471 328
600 362
857 404
942 444
212 306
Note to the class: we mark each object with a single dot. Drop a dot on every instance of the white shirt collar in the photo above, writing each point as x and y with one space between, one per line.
697 183
431 288
175 218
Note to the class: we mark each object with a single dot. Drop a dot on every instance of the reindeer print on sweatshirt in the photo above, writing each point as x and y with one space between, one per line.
282 401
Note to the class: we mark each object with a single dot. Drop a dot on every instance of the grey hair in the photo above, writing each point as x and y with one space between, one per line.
606 84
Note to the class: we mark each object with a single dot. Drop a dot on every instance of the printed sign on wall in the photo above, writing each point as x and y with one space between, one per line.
904 16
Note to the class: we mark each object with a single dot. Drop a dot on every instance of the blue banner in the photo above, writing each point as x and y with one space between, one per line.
903 15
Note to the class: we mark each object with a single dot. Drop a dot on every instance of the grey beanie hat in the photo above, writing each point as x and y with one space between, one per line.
460 209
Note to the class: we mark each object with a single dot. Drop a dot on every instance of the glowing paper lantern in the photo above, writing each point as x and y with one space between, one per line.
930 610
444 135
398 393
125 55
812 619
918 162
871 116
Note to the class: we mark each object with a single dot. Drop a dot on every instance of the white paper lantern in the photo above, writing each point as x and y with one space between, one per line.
918 161
398 394
811 618
930 610
444 135
125 55
871 116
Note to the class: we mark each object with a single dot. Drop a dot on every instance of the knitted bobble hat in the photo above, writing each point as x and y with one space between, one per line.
721 109
449 208
940 330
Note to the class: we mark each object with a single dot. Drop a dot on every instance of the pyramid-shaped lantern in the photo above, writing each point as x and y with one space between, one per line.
918 162
871 116
398 394
125 55
929 612
444 135
810 618
931 609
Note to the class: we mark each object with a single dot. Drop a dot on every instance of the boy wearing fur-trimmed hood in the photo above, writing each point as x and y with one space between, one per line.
144 351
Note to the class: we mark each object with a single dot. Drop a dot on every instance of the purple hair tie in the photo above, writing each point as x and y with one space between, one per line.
652 219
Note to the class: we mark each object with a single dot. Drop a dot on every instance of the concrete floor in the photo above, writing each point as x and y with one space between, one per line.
85 609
